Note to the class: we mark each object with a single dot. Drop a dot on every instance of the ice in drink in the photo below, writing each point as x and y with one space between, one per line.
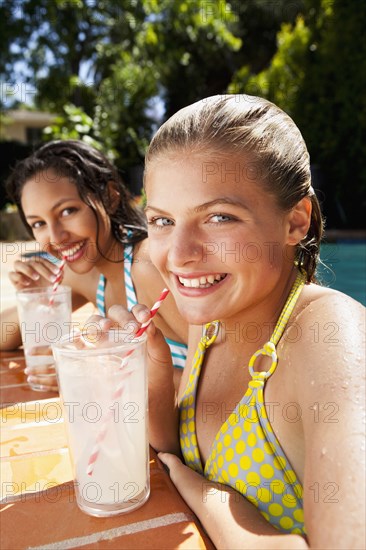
43 324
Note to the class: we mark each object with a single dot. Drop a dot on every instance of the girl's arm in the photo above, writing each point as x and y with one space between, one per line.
330 372
10 332
29 271
230 520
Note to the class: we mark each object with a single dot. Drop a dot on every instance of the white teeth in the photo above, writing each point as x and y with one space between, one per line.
73 250
201 282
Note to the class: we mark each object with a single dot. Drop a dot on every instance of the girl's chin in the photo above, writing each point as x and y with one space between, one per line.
80 267
196 317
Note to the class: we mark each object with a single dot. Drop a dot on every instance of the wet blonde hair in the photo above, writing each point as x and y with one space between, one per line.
260 132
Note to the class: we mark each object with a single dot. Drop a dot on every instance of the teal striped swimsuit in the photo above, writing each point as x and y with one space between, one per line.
178 350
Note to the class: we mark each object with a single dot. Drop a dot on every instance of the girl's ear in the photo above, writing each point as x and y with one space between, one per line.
114 197
299 221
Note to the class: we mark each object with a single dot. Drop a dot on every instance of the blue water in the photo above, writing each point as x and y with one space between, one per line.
345 268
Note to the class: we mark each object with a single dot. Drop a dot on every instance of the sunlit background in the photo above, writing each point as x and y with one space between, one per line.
110 71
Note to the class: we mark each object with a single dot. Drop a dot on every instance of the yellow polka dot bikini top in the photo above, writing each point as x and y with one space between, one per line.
246 454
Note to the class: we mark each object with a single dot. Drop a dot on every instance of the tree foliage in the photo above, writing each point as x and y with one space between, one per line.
129 64
114 69
331 105
318 76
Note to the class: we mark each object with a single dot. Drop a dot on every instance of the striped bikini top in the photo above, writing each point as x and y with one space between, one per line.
246 454
178 350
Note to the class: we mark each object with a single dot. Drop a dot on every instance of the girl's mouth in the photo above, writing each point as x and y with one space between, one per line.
204 281
74 252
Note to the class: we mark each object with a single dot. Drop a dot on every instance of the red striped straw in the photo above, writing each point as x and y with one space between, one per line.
119 390
57 281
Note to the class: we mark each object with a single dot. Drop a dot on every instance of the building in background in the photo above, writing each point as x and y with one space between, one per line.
25 126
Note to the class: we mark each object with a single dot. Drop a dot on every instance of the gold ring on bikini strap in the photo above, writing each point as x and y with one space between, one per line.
210 333
268 349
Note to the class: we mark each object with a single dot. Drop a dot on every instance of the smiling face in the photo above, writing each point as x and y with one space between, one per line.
218 238
62 223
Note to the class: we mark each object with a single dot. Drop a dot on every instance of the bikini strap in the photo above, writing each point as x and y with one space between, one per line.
269 347
209 334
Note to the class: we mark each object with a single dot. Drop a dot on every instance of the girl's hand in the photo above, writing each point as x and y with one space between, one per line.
44 375
159 357
190 484
33 271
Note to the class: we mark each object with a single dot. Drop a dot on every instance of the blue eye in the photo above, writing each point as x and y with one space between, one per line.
221 218
160 222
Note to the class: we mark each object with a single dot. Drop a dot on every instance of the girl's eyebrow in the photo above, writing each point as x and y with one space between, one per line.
205 206
157 210
56 205
222 200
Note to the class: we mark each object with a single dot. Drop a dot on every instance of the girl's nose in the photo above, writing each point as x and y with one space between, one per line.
58 234
185 248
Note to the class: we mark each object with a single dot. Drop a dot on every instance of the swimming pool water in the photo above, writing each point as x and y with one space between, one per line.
345 268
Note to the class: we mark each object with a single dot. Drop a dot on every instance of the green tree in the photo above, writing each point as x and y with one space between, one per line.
74 123
331 105
178 55
281 81
318 76
129 64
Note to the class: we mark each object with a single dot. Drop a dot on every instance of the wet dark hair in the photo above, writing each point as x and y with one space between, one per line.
266 137
93 174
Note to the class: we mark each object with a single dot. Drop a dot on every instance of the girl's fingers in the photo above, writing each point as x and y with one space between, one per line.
19 281
45 383
120 318
47 369
129 321
40 350
43 375
93 332
97 323
172 464
27 272
43 267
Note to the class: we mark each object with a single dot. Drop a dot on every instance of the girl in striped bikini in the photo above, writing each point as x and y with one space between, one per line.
265 437
75 205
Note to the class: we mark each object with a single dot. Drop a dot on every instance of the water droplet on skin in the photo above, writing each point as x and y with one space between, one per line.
345 385
312 383
323 451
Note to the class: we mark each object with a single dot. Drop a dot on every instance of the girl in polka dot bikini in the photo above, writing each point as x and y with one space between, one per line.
268 410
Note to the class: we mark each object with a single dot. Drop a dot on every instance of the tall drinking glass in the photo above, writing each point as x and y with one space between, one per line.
103 387
44 317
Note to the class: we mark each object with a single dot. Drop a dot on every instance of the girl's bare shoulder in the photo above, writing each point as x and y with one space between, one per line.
326 328
318 303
